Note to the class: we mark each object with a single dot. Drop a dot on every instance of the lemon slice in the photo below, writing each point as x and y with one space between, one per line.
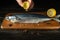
26 5
51 12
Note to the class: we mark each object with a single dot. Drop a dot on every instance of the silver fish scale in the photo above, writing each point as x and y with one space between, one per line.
30 19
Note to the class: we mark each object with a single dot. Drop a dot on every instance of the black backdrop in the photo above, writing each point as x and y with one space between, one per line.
40 5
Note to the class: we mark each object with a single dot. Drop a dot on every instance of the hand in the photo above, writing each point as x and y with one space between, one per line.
20 2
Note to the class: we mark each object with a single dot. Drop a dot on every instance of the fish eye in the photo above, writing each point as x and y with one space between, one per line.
10 18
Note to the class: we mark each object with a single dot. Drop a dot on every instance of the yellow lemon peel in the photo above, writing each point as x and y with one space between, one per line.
51 12
26 5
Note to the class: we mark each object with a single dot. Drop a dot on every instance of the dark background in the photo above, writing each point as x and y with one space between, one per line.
40 5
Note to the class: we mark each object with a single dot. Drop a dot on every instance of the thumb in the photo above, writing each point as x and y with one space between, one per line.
20 2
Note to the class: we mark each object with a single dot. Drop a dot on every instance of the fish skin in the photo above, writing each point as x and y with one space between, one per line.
30 18
26 18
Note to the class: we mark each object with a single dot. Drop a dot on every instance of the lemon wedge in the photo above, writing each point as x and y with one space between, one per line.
51 12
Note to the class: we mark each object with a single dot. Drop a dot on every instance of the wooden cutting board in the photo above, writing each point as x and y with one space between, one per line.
52 24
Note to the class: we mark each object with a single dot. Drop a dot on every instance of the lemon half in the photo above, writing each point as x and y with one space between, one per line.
51 12
26 5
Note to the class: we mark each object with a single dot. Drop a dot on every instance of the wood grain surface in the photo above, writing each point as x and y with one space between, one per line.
52 24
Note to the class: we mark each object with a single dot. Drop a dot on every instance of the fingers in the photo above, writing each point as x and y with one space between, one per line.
20 2
29 1
24 5
31 6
